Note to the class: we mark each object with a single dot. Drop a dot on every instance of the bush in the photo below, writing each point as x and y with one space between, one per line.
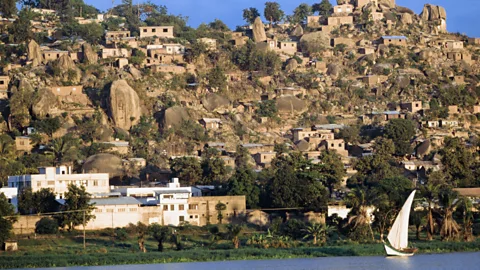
121 234
46 226
293 228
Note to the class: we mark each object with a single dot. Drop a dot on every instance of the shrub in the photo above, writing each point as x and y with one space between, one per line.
121 234
293 228
46 226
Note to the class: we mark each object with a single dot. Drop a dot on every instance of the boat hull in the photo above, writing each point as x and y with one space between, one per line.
392 252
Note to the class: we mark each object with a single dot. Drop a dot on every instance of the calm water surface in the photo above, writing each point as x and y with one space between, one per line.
469 261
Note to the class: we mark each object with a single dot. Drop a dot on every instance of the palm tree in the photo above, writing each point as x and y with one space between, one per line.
317 230
465 208
63 149
430 192
360 199
416 219
448 199
234 232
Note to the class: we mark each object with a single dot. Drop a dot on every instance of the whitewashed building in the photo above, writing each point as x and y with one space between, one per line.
12 196
59 178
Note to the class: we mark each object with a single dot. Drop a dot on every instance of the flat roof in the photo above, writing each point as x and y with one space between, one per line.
394 37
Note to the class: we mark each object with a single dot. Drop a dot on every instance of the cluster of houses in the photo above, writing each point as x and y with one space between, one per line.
117 206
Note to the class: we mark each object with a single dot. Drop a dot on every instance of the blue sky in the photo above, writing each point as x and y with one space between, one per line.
462 15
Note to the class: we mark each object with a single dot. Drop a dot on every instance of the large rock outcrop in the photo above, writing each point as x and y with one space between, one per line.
123 105
34 53
173 117
104 163
258 30
292 64
437 15
47 104
89 56
318 38
69 72
213 102
291 104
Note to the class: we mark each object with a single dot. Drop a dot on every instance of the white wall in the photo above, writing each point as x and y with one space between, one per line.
12 196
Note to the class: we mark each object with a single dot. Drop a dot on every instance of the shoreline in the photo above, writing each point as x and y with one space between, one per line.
94 257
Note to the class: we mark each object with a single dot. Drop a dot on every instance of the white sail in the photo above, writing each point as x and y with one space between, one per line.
398 236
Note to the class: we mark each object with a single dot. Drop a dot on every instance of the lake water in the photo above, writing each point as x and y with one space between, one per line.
468 261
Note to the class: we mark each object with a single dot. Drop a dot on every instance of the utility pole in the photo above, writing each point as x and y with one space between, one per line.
84 244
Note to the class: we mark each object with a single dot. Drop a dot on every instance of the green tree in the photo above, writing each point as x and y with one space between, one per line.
217 79
273 13
7 147
332 170
359 199
142 231
213 167
324 8
77 207
295 182
64 149
400 131
430 191
46 225
234 232
392 193
8 8
458 163
44 200
92 32
26 202
137 57
187 169
267 108
48 126
220 207
159 233
250 14
21 30
219 26
243 183
301 13
7 218
448 199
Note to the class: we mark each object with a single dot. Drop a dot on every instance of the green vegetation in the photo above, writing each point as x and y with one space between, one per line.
104 250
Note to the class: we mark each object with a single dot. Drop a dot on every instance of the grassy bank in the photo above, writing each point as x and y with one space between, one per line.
68 251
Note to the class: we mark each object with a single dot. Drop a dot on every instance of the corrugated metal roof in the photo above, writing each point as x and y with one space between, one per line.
394 37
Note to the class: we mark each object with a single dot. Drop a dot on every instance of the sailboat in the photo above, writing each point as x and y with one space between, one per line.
398 235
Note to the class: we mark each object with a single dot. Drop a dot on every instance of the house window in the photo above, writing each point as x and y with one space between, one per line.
98 211
172 207
165 30
168 196
51 183
154 30
133 209
165 208
9 200
22 143
181 207
181 218
191 217
121 209
145 30
109 210
193 207
2 82
95 183
196 216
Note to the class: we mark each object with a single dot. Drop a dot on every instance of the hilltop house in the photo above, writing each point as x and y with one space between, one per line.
156 31
394 40
211 123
